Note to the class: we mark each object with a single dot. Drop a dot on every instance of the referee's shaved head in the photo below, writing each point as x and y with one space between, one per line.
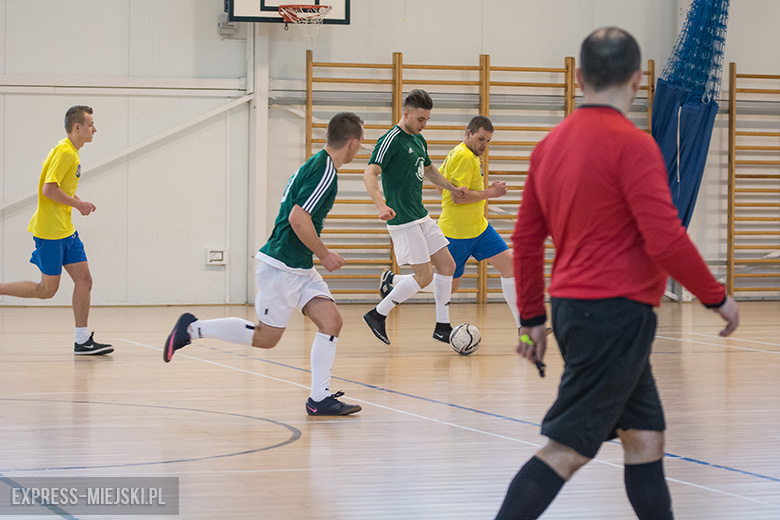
609 57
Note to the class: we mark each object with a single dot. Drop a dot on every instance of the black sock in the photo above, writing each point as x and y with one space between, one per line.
531 491
647 491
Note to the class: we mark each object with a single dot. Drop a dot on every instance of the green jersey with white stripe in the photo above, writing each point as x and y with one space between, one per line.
403 158
313 187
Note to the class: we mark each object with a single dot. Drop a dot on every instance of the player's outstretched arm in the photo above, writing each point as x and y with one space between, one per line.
301 223
434 175
497 189
729 312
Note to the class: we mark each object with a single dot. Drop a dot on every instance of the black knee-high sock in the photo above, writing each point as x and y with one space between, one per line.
531 491
647 491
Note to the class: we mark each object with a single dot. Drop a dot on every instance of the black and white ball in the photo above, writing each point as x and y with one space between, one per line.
465 339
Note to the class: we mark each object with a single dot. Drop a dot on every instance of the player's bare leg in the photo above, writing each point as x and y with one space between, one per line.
266 336
324 313
82 291
43 290
84 341
423 273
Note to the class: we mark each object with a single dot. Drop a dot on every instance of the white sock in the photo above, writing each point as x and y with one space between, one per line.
428 288
442 292
323 354
510 295
232 330
81 335
401 292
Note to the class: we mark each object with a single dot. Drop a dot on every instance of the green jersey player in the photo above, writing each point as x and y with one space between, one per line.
401 158
286 278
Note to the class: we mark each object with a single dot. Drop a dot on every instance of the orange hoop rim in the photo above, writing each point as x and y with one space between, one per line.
288 11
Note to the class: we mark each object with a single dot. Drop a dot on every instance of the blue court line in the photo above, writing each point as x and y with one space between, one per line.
504 417
396 392
53 508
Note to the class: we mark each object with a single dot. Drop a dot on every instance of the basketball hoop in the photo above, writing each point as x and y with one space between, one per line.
307 17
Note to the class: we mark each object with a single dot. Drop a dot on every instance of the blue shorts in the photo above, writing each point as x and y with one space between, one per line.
51 255
486 245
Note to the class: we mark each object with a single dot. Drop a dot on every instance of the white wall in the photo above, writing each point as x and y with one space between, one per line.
161 207
513 32
145 66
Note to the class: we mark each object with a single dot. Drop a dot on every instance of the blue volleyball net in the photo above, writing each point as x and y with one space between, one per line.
697 60
686 100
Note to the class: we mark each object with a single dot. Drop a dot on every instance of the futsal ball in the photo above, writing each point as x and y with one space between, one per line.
465 339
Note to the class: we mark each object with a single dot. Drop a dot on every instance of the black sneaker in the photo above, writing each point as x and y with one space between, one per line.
442 332
179 337
92 347
331 406
376 322
386 283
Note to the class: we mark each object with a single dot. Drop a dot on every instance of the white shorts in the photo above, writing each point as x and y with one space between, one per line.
279 292
415 242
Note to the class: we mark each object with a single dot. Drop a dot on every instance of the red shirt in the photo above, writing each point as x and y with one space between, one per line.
598 186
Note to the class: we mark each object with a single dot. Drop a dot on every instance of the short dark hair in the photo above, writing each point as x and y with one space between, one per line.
75 114
343 127
478 122
418 98
609 57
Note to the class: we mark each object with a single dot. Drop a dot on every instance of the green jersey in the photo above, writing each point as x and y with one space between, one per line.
313 187
403 158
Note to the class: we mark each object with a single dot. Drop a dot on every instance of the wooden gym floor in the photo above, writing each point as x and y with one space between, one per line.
440 435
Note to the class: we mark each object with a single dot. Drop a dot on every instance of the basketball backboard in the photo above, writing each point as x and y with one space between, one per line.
268 10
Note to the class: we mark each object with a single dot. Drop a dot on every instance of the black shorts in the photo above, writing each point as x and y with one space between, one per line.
607 381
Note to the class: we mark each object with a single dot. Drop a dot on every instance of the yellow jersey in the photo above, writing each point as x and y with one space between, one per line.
51 220
462 168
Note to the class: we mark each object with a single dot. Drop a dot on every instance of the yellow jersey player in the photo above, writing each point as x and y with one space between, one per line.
463 219
57 243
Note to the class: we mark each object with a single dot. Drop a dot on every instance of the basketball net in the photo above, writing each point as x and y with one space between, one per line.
308 18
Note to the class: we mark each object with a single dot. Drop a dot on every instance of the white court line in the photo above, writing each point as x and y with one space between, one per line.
733 495
684 340
466 428
670 479
220 365
351 398
745 340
